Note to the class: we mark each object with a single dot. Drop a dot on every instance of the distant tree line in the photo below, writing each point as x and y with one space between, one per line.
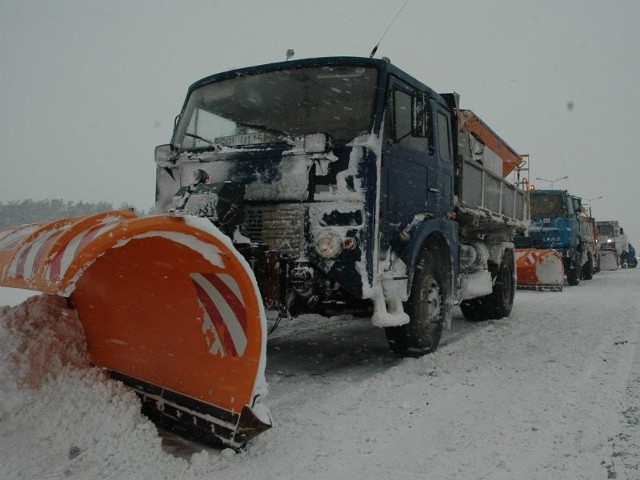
31 211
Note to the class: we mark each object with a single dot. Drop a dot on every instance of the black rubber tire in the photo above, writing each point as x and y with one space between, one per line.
428 308
573 275
500 302
587 269
504 289
477 309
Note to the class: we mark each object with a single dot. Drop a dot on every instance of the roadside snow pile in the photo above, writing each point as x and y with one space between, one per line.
41 337
89 425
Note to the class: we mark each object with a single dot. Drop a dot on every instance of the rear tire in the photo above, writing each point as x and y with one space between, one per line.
587 269
504 290
477 309
428 308
500 302
573 275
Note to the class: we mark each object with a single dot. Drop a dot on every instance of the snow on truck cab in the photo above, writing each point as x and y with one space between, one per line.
348 185
321 185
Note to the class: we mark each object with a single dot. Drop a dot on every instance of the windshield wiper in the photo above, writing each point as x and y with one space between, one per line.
206 140
266 129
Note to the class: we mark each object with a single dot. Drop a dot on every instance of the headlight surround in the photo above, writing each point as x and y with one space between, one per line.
315 143
328 244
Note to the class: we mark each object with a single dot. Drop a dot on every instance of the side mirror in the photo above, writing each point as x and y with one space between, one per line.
419 115
164 155
576 205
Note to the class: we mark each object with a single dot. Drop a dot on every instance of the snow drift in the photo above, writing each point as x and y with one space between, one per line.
552 392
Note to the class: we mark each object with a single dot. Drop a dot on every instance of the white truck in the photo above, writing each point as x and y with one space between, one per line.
614 245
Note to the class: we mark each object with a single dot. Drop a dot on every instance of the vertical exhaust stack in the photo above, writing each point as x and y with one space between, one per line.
168 306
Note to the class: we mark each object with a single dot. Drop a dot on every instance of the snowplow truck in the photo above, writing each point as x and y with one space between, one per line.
561 240
613 244
324 185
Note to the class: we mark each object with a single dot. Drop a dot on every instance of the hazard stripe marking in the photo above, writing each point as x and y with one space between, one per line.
28 259
64 258
223 306
15 236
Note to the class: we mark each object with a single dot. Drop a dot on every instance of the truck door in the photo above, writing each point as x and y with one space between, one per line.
443 142
411 182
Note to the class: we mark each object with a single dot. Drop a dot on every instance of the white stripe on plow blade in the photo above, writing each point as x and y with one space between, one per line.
224 308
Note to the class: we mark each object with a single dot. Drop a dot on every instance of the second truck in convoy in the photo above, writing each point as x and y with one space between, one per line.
559 222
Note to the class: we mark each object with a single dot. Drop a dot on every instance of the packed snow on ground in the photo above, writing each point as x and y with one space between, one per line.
552 392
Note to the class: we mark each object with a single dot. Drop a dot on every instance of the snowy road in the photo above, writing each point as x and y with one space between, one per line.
552 392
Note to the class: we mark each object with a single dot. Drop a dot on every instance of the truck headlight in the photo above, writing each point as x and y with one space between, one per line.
328 245
315 143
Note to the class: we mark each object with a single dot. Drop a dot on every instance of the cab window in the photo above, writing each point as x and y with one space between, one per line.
444 138
407 122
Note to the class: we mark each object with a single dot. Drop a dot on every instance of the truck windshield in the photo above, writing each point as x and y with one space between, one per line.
275 106
606 229
547 206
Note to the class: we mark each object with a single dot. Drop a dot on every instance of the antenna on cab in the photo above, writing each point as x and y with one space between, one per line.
375 49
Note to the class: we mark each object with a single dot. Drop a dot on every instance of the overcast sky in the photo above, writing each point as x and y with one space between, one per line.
89 88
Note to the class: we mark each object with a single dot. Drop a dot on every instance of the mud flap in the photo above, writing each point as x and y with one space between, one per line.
168 306
539 269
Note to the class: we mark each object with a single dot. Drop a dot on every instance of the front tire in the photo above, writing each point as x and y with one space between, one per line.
428 308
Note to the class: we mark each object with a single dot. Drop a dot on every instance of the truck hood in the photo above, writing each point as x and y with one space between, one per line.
547 237
554 233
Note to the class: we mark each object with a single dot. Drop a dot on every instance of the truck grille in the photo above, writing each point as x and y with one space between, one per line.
280 227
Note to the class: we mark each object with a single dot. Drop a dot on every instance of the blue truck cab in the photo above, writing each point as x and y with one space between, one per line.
341 180
559 222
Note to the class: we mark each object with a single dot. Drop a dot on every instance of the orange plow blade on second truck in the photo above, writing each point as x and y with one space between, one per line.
167 305
539 269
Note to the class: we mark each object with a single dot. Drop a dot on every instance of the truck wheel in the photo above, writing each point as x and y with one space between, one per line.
573 275
477 309
504 289
427 308
587 269
500 302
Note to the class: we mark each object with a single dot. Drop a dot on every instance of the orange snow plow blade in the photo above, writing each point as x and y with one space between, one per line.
168 306
539 269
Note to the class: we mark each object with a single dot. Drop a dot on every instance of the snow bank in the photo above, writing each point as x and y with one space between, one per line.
551 392
42 338
62 418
